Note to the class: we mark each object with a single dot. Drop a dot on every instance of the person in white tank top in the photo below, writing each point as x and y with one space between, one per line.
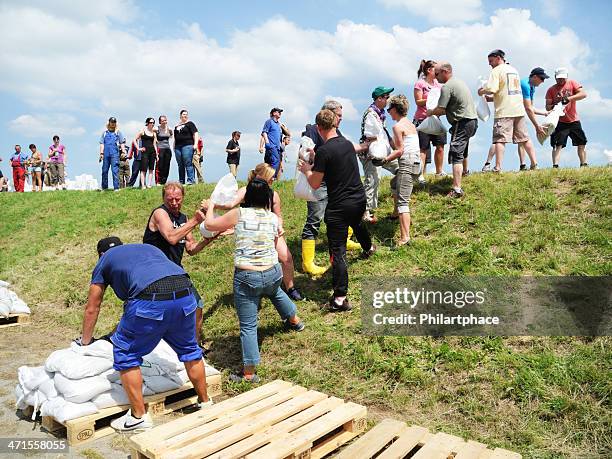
406 139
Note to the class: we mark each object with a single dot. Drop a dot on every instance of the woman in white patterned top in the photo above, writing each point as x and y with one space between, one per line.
257 272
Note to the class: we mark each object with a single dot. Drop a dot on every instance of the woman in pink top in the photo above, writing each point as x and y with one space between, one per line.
57 163
426 82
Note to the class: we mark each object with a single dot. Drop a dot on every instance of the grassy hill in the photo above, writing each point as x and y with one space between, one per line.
544 397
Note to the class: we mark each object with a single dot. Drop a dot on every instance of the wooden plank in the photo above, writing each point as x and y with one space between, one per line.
213 436
374 440
14 319
406 442
200 417
471 450
331 444
302 439
499 453
266 436
440 446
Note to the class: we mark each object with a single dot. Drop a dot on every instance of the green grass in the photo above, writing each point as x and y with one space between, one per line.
544 397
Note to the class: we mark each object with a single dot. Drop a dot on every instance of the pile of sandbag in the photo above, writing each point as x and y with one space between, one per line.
10 303
80 380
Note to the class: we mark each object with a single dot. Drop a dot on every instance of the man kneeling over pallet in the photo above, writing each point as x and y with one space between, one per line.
159 304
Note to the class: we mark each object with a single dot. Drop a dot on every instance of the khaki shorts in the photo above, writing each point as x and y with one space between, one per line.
507 130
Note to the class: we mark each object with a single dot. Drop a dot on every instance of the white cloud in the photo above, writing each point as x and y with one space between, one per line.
47 125
349 112
441 11
594 105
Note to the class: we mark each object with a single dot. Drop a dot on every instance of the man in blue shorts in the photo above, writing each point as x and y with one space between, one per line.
271 134
159 304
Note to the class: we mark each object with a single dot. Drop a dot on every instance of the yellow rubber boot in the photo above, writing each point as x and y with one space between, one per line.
351 245
308 253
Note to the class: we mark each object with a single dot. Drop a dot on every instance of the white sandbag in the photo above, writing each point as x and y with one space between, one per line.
225 191
432 125
114 397
5 302
164 357
63 410
432 98
32 377
380 148
24 398
76 366
550 122
162 383
302 189
151 369
48 389
18 306
211 371
81 390
482 109
100 348
372 127
205 232
4 283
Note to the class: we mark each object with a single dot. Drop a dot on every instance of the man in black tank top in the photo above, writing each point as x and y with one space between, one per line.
169 230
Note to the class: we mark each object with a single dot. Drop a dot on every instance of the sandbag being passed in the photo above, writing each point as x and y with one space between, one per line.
302 189
550 122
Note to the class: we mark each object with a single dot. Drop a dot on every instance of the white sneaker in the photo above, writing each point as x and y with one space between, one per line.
128 423
441 174
486 168
203 405
422 180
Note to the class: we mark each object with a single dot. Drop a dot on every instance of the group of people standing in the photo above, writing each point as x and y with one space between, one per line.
39 169
151 153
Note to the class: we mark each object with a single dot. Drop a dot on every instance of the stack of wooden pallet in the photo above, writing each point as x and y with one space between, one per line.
276 420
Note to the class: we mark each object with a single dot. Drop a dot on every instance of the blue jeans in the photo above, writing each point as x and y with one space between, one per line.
184 159
316 212
273 157
110 160
249 288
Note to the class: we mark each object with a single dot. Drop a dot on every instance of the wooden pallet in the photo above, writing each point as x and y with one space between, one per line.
14 319
394 439
97 425
276 420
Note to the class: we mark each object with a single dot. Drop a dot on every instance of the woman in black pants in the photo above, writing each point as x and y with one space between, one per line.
164 153
148 139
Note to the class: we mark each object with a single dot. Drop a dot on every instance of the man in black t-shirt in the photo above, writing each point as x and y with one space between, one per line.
233 153
336 163
169 230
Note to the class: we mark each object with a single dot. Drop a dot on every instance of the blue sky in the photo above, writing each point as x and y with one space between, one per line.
68 66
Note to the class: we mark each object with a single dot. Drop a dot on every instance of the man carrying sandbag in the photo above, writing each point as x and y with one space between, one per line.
457 104
372 126
159 304
169 230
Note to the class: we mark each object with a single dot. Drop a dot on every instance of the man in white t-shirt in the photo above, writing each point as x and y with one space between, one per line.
504 85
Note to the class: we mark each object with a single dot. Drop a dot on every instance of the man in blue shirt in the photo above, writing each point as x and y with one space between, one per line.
271 134
159 304
111 141
528 85
18 163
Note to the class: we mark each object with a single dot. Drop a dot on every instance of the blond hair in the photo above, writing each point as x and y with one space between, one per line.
399 103
262 170
326 119
172 186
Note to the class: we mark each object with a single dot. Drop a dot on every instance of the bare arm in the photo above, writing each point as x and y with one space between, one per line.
397 140
136 141
438 111
161 222
418 98
192 247
581 94
221 222
549 104
276 208
92 309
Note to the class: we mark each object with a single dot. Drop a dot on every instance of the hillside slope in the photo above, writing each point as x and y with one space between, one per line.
544 397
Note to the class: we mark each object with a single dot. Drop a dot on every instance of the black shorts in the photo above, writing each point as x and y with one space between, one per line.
461 132
564 130
426 139
147 163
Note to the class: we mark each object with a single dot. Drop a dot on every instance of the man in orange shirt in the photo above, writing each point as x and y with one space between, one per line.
567 92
